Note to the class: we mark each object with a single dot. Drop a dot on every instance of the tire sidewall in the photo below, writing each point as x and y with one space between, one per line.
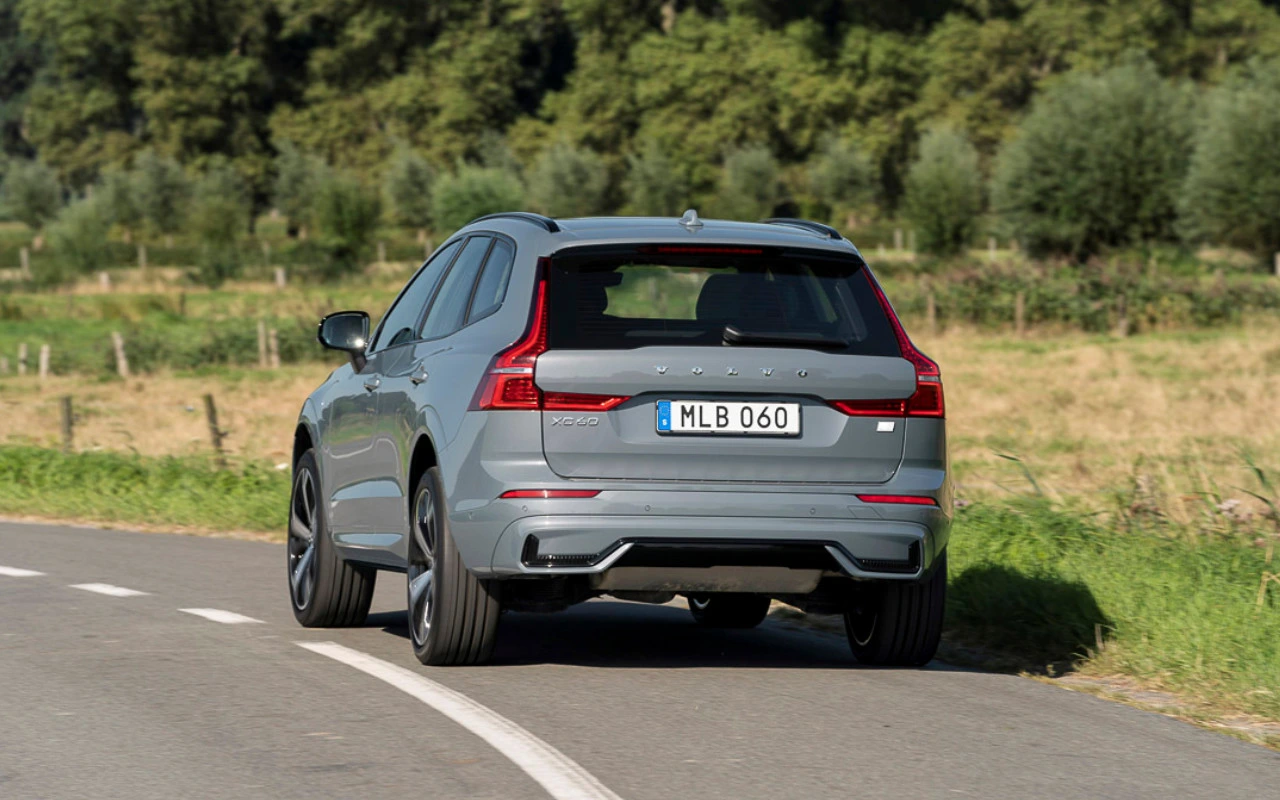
431 481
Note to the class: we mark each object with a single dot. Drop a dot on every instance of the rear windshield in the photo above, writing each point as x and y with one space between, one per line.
620 302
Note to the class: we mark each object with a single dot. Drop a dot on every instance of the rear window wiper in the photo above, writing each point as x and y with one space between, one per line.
736 336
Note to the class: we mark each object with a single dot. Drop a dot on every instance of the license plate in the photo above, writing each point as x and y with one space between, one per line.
706 417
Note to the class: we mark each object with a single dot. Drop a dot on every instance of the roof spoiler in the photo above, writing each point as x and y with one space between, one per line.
546 223
816 227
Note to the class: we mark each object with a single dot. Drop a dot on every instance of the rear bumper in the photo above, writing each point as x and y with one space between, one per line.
832 534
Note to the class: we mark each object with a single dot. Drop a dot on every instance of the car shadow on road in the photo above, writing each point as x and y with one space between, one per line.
614 634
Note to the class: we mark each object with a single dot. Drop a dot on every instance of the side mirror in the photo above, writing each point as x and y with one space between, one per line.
347 331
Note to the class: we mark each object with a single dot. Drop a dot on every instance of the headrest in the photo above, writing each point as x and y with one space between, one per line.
721 298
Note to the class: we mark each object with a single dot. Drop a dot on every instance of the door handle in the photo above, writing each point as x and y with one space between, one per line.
419 376
372 383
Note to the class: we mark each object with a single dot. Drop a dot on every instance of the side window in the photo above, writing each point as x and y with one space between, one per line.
492 286
450 306
401 319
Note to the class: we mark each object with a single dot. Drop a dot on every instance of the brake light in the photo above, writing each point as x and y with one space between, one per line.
704 250
547 494
508 384
927 401
900 499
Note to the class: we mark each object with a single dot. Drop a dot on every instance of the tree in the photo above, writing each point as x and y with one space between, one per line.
655 186
347 215
568 181
408 188
470 192
1097 163
751 185
842 176
78 238
31 193
944 192
298 177
1232 192
163 191
117 194
221 212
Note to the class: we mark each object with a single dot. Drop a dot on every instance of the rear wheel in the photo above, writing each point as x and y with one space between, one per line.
729 610
324 590
453 615
898 624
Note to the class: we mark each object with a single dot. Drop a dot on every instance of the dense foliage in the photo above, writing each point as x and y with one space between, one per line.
744 107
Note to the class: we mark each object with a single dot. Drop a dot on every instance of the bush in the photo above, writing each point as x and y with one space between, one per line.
408 188
118 198
163 191
568 181
841 176
78 238
472 192
31 193
347 215
297 178
1232 192
1098 162
750 186
944 192
222 210
655 186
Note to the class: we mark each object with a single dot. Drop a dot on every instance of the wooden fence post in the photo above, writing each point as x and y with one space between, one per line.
897 238
1019 313
931 313
991 248
22 358
24 261
142 258
426 249
122 362
273 348
104 281
1278 265
215 433
422 235
382 253
262 344
44 361
68 425
280 277
4 365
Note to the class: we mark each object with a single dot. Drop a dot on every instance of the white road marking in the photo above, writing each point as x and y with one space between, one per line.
15 572
562 777
108 589
218 615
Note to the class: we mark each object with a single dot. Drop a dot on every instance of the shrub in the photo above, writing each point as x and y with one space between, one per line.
944 192
78 238
222 209
118 198
568 181
408 188
1098 162
31 193
655 186
750 186
472 192
297 178
163 191
841 176
1232 192
347 215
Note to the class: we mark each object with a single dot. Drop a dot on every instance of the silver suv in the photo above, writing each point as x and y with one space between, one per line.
554 410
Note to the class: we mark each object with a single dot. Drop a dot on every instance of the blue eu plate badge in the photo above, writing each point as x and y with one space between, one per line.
664 415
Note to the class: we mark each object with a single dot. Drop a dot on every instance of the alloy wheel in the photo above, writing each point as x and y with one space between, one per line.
421 570
302 540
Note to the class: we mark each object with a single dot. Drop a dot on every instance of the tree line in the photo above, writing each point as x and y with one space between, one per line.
1071 125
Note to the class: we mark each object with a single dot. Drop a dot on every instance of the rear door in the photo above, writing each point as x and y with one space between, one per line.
729 359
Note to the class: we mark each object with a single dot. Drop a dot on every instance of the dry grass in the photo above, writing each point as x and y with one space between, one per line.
1086 414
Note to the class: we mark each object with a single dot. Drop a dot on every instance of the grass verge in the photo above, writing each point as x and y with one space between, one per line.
186 492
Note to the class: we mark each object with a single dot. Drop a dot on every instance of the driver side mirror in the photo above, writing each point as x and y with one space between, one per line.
347 331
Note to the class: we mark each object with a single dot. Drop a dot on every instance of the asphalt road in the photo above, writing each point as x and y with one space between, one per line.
110 696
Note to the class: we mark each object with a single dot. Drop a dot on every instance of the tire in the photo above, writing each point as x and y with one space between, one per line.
895 624
324 590
728 610
453 615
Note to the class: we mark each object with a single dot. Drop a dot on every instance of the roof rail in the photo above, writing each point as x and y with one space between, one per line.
816 227
546 223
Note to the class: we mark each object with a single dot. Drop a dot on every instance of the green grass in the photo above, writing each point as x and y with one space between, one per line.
110 487
1176 607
